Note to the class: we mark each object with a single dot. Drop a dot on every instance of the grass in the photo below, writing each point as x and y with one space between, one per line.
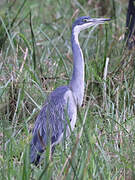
35 58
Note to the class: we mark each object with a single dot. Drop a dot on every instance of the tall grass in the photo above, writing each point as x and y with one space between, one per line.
35 58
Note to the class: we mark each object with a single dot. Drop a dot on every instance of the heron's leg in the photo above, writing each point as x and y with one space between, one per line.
51 153
52 150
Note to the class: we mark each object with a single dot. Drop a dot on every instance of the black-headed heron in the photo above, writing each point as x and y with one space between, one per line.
62 102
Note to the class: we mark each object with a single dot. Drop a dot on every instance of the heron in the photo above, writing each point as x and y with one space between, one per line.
59 112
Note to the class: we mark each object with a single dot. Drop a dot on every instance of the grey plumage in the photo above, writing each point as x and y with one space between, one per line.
61 105
50 123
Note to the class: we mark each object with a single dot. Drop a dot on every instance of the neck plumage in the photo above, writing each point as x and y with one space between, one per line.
77 82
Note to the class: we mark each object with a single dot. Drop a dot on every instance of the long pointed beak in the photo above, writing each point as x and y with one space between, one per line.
99 20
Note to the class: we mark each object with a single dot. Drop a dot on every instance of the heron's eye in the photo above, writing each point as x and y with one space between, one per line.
85 20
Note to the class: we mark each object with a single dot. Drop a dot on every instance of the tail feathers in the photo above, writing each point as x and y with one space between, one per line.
36 149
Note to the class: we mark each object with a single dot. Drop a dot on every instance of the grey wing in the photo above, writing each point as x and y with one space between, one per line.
51 121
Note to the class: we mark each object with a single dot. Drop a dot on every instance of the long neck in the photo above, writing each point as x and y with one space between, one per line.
77 81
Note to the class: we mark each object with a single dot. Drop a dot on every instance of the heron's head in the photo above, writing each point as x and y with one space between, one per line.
85 22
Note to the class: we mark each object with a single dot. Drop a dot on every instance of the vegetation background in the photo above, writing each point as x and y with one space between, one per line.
35 58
